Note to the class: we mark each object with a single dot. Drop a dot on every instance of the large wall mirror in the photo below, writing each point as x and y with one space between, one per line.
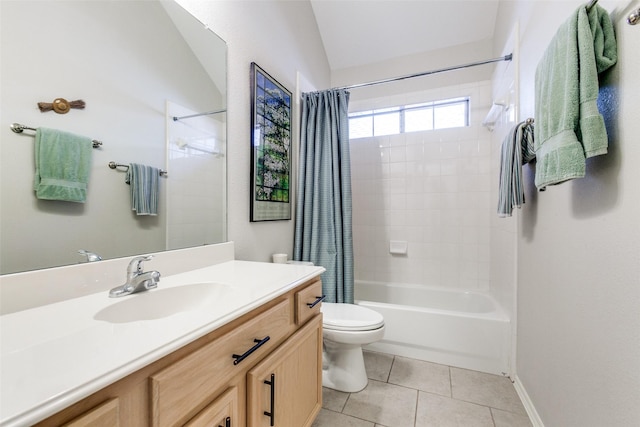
147 71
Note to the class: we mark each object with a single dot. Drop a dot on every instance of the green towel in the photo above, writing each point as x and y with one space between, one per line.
569 127
63 164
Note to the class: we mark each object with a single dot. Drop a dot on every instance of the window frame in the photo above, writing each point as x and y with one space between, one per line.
403 109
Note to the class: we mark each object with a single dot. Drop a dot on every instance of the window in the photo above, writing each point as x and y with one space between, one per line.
448 113
386 122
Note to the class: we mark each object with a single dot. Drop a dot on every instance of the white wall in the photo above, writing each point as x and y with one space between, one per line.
578 342
282 38
70 49
417 63
430 189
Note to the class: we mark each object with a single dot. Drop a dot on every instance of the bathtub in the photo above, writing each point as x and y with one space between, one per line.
465 329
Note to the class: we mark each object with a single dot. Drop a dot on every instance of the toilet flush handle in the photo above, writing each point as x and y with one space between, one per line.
317 301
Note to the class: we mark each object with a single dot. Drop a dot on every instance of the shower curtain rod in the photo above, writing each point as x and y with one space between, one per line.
175 119
508 57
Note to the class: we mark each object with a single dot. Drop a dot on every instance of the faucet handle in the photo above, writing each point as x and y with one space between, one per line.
91 256
135 265
153 282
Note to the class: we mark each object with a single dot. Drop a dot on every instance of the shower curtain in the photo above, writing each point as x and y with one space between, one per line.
323 232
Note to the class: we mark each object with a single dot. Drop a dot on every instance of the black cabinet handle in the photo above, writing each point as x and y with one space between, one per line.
272 414
240 357
317 301
227 422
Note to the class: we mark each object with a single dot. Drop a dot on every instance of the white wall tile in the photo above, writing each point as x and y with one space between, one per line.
415 152
398 153
432 189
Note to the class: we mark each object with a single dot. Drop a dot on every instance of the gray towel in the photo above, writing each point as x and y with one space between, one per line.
517 150
144 188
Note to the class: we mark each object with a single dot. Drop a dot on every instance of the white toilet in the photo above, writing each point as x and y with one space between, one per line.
346 328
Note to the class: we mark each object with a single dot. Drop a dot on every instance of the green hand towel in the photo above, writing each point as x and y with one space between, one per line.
63 163
569 127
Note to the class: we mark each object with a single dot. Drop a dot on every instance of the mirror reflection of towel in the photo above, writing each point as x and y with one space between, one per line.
144 188
63 164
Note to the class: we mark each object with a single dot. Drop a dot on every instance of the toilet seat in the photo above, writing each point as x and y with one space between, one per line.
350 317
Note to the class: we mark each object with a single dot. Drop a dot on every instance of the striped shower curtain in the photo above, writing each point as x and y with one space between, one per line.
323 232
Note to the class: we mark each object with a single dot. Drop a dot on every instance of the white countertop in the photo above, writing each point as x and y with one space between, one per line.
55 355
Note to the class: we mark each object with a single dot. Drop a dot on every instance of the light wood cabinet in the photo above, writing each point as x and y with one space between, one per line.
308 302
218 380
190 383
285 389
105 415
221 413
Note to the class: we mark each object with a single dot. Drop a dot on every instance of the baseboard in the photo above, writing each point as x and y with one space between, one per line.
535 419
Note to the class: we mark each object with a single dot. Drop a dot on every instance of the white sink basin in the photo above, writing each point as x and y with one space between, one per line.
163 302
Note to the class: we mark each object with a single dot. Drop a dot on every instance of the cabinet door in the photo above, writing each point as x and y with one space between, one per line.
223 412
285 389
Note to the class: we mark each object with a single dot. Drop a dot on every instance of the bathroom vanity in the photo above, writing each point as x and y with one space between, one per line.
233 344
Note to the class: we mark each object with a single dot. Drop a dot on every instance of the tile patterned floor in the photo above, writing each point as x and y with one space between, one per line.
406 392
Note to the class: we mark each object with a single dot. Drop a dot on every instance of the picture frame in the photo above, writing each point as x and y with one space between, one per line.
270 148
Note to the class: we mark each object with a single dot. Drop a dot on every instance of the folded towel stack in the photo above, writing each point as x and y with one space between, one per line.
144 188
517 150
63 164
569 127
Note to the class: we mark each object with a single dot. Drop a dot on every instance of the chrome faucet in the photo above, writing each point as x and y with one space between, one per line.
137 279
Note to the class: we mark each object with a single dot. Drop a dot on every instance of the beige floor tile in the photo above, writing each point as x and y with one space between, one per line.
328 418
333 399
382 403
509 419
421 375
485 389
441 411
378 365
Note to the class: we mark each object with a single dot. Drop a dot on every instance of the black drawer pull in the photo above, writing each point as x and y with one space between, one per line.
239 358
227 422
317 301
272 414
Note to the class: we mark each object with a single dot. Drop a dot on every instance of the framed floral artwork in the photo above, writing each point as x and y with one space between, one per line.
270 148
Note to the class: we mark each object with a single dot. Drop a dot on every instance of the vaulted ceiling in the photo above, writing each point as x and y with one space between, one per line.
361 32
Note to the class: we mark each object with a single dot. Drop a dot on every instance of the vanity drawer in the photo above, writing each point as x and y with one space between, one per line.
308 302
105 415
190 383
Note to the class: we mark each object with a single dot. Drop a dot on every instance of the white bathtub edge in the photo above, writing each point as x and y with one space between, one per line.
498 312
534 417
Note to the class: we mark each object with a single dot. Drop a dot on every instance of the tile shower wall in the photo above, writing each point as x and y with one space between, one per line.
430 189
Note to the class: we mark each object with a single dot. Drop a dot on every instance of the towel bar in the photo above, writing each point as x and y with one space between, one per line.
114 165
18 128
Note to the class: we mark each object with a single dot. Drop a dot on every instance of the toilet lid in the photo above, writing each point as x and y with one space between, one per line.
350 317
